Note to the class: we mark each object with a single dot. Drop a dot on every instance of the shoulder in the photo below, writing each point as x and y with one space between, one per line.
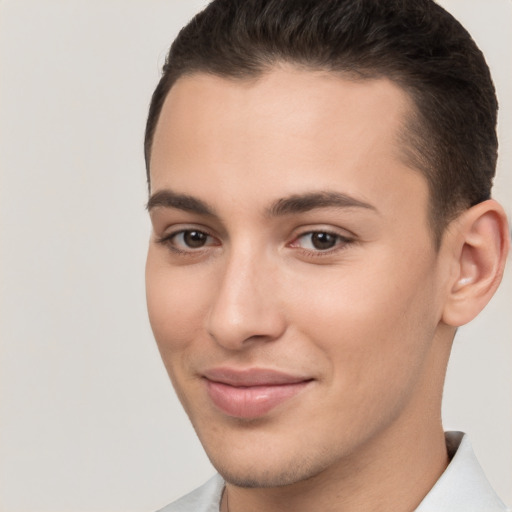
203 499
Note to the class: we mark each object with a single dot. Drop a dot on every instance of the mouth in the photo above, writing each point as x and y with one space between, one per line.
252 393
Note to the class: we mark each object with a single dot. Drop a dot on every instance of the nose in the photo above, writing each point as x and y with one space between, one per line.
245 308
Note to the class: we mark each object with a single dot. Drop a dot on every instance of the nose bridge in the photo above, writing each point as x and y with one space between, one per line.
244 307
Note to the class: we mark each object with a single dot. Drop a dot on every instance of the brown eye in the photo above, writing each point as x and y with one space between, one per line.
193 239
189 240
323 241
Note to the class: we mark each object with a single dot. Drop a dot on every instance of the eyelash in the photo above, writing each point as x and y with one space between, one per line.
341 242
167 241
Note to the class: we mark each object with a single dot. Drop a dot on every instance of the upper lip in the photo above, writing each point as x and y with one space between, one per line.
252 377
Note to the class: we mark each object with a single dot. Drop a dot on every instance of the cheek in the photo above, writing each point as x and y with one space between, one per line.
376 322
176 302
374 339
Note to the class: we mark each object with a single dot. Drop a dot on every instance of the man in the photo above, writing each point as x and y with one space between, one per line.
320 176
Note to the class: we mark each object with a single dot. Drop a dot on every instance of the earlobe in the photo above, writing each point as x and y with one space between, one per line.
480 243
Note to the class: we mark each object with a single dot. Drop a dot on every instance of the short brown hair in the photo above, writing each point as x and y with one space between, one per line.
451 136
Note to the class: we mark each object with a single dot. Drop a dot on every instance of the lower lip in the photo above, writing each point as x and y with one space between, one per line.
252 401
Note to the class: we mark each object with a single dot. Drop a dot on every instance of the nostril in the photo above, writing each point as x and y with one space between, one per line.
235 333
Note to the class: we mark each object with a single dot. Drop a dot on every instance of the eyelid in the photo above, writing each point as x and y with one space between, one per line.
324 232
323 228
343 240
167 239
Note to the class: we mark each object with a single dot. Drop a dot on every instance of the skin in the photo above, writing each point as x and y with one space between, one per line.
369 321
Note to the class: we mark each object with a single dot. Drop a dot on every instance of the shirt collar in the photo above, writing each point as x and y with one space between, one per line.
463 486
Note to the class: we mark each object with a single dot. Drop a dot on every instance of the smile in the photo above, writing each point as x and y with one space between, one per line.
252 393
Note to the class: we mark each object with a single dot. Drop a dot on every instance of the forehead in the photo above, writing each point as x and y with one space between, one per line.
290 130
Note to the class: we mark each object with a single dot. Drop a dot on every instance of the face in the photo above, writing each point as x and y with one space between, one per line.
292 283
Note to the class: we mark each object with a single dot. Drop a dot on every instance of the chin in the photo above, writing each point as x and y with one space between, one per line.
265 472
263 478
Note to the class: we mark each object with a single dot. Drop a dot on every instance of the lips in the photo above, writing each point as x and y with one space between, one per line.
251 393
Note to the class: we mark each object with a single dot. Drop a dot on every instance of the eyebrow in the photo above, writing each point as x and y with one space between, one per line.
301 203
169 199
297 203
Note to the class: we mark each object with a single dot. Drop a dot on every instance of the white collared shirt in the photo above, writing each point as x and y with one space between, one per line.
462 487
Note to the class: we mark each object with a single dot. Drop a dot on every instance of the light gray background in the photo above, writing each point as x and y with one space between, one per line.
88 418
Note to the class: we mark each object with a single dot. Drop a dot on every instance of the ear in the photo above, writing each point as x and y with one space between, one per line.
479 242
